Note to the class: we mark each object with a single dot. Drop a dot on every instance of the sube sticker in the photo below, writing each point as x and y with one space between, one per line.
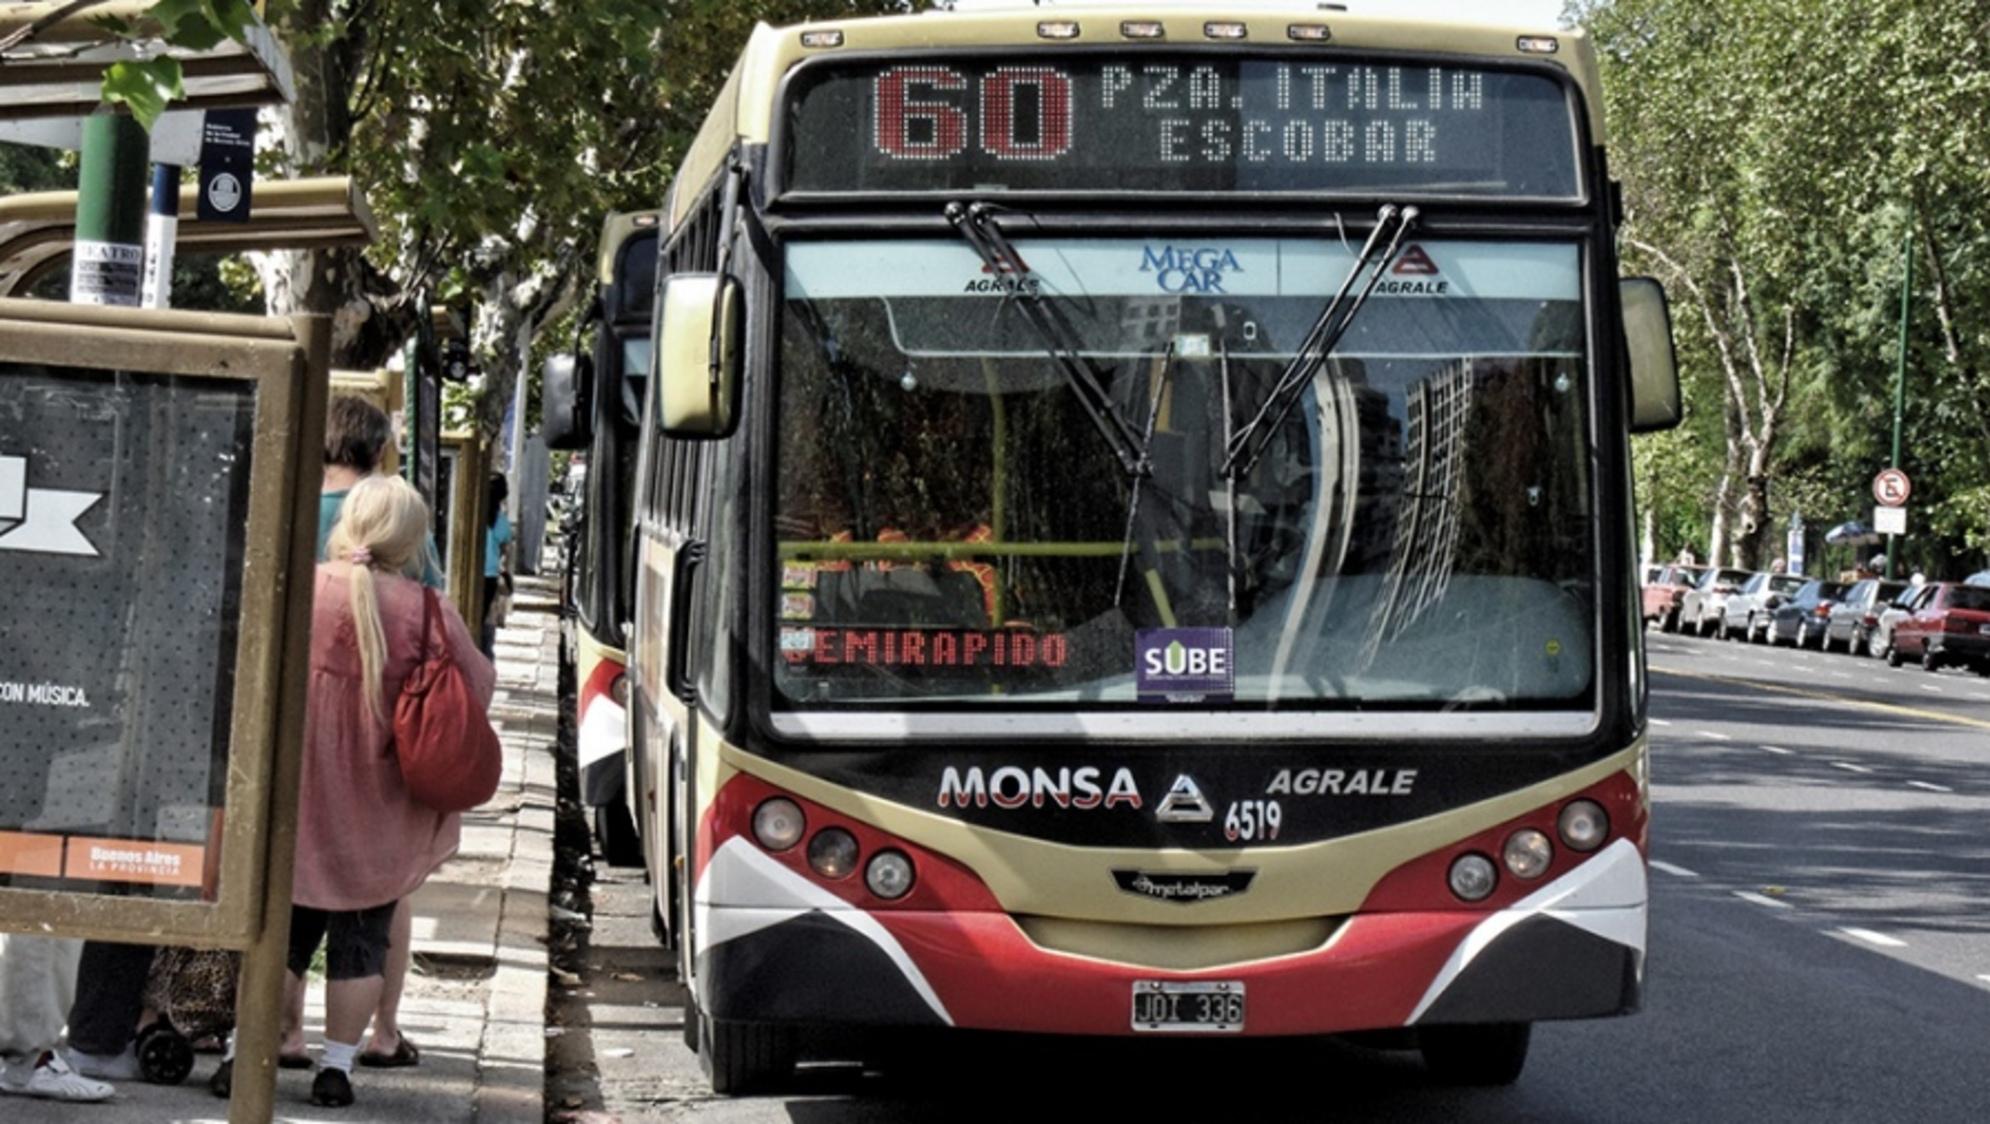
1185 664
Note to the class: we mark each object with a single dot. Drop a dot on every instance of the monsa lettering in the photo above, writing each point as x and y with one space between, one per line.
1012 786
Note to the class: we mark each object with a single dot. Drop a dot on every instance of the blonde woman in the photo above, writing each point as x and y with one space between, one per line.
363 843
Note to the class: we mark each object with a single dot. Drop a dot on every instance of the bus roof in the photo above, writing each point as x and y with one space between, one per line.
615 230
744 109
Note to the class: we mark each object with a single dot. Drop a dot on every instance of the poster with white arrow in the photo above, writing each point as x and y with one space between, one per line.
124 515
41 520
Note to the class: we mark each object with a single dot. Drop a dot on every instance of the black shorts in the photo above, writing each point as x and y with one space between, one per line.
357 944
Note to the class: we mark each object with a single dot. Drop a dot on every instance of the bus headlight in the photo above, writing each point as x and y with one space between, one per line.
1584 825
1527 853
889 875
778 823
1473 877
833 853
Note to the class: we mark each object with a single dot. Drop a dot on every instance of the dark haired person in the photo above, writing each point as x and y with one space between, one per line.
356 436
497 536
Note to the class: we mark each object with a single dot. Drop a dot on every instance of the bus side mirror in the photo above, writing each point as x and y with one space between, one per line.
565 416
1654 366
699 322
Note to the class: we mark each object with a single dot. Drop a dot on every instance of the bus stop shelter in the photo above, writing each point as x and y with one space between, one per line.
57 71
36 230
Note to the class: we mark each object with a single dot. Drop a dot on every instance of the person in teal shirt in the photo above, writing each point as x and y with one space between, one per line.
497 536
356 436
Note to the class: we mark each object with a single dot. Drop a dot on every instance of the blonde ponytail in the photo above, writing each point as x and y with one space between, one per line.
383 525
372 639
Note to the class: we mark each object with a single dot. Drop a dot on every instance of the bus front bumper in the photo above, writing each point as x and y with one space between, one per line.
1573 949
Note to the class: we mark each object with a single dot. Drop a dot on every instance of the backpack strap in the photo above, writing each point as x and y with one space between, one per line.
428 606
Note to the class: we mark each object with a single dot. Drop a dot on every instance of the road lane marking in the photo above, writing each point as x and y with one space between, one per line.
1931 787
1870 937
1716 737
1849 767
1932 687
1777 749
1821 696
1676 871
1659 722
1759 899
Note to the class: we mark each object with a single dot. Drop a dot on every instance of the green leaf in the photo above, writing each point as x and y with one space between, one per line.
187 23
146 86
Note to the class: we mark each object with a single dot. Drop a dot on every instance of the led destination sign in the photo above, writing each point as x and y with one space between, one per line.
1183 122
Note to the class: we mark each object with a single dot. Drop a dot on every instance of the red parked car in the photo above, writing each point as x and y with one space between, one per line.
1662 594
1951 626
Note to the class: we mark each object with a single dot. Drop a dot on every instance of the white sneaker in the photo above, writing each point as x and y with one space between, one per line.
52 1079
108 1067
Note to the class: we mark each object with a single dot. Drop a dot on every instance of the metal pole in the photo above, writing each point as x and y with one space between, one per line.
109 259
259 998
162 228
1900 366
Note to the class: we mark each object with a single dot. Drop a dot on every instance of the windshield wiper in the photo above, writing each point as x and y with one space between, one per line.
977 226
1248 445
1133 502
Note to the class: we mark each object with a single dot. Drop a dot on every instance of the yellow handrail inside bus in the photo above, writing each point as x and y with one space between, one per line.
948 551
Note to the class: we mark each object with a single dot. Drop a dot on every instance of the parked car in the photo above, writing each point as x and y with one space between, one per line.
1949 625
1880 642
1801 619
1701 607
1856 614
1747 611
1664 593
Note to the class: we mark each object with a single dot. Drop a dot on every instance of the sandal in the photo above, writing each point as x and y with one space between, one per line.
404 1055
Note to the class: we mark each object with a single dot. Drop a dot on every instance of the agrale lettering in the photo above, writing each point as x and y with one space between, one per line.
1342 782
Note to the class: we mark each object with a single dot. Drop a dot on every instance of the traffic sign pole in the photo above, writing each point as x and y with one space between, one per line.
1900 365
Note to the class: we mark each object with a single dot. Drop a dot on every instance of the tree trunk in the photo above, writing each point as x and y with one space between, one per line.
370 315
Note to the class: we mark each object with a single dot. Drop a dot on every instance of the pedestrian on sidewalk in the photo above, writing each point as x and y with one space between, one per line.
497 538
363 842
356 436
37 985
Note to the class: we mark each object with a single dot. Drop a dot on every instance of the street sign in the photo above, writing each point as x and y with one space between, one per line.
1890 520
227 165
1891 488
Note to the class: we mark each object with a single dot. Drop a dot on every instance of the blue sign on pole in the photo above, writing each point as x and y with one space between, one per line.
227 165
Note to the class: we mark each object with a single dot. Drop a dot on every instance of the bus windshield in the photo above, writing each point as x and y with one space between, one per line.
1418 534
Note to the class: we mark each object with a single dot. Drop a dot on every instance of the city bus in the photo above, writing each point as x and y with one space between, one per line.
594 405
1133 537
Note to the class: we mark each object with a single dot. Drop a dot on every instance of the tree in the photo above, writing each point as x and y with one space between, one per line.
1775 157
491 141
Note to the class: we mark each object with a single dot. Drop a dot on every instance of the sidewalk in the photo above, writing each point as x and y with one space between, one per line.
476 1000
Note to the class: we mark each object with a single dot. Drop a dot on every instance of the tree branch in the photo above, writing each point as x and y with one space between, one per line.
1730 368
22 34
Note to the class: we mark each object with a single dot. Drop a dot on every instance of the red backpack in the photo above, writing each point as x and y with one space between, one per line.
449 754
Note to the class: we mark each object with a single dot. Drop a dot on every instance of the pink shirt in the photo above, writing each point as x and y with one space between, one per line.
362 841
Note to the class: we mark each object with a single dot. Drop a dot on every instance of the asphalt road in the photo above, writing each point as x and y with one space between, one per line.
1820 950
